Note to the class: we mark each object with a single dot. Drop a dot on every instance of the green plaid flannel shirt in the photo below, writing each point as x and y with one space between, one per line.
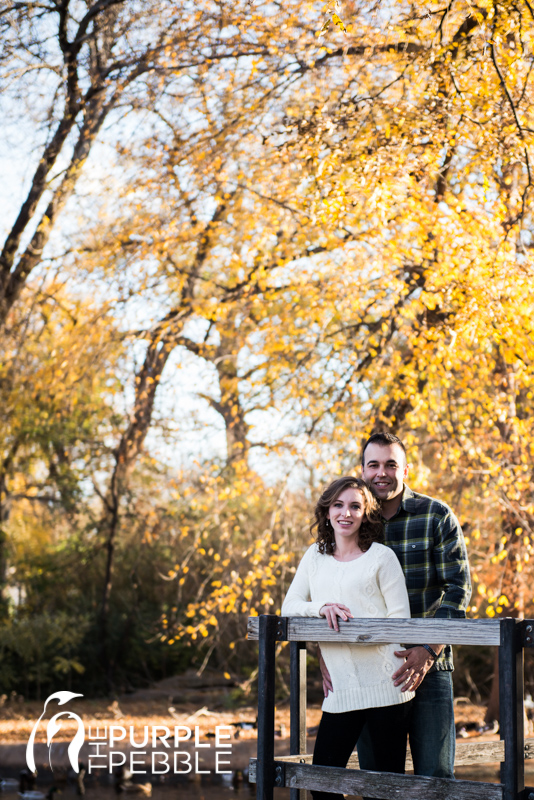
428 541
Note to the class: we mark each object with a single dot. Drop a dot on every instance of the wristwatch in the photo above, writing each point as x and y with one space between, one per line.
432 652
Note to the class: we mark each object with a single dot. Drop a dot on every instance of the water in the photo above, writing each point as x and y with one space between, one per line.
190 790
223 787
177 790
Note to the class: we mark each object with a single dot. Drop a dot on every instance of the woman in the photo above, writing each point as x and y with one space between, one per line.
349 573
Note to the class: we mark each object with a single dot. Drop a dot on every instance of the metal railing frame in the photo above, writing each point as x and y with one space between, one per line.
511 636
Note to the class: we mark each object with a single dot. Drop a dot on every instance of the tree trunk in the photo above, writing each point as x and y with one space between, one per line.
126 454
164 338
229 406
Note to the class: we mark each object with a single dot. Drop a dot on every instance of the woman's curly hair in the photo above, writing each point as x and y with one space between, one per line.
372 527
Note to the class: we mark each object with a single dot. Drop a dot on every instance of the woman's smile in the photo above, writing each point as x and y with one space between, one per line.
347 512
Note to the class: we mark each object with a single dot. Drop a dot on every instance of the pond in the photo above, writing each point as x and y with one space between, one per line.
231 787
105 790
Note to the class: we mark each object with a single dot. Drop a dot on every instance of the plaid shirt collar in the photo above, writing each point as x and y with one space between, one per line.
408 502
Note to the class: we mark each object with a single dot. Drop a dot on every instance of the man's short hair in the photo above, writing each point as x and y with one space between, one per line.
383 439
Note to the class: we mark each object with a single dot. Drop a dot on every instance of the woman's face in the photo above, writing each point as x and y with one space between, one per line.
346 513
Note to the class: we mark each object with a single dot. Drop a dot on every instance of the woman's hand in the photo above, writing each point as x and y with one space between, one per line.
327 680
334 610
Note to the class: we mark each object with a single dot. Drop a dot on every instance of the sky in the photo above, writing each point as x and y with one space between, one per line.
194 432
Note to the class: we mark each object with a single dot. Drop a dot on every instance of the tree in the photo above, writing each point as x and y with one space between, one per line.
97 61
58 365
340 233
427 162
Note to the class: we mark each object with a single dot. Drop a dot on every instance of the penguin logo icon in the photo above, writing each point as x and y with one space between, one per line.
53 727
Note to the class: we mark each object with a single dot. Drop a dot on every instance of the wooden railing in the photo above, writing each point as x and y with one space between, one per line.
296 771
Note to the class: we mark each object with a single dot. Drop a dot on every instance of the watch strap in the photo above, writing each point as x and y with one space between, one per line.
432 652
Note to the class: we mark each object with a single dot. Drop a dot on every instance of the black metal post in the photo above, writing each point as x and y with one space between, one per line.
266 675
511 709
297 706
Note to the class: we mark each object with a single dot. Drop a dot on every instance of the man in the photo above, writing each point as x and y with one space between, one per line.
428 541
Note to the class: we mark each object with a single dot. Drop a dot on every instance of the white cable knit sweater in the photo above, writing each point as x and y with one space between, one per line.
372 585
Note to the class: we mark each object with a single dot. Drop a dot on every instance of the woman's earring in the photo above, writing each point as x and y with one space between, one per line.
328 523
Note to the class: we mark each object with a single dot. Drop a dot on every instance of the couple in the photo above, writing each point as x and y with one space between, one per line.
388 552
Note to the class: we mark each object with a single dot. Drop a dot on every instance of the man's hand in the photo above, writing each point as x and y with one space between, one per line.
327 681
416 664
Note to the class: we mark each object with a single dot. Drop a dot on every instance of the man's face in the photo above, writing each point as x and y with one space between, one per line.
384 470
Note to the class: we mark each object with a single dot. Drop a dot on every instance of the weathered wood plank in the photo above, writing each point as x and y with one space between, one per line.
478 753
380 631
386 785
466 753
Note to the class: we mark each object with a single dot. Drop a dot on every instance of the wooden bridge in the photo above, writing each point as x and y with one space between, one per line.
296 771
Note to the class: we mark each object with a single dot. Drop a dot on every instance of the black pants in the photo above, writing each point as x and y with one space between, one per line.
338 734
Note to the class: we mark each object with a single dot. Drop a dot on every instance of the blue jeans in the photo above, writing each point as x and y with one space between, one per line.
431 729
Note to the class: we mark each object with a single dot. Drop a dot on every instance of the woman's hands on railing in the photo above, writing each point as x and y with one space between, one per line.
334 610
331 611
